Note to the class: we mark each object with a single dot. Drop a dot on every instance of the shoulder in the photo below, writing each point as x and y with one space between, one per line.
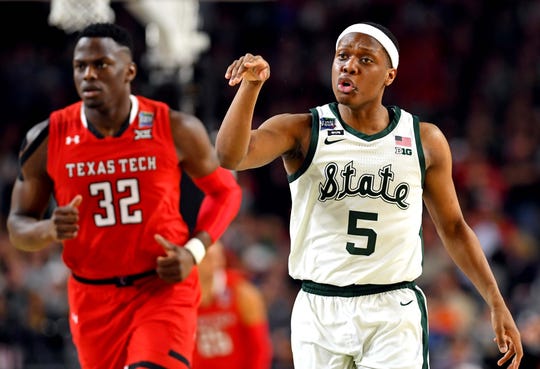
434 143
288 122
431 134
192 142
33 151
247 292
185 126
37 130
292 118
67 112
184 120
37 134
243 287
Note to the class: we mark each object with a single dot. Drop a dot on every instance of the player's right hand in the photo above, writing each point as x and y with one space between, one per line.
65 220
251 68
177 262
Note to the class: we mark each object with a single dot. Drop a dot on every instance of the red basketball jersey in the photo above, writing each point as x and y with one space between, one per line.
221 339
130 187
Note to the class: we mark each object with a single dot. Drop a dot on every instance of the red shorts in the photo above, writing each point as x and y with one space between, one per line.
149 324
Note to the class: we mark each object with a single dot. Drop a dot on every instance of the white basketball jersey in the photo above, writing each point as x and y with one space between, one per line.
357 203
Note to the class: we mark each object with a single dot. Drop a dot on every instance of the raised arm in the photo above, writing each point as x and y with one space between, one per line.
238 145
234 134
462 244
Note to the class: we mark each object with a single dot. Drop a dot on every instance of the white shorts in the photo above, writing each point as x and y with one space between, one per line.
386 330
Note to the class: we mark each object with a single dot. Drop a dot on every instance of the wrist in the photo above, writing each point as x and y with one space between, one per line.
197 249
255 84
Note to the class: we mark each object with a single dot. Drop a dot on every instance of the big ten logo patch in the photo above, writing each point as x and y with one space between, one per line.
403 151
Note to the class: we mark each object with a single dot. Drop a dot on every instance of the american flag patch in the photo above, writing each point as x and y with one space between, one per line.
146 119
403 141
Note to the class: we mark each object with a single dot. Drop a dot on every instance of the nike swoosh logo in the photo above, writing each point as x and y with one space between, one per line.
328 142
405 304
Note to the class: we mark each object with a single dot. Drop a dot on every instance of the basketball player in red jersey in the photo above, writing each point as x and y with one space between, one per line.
232 331
113 164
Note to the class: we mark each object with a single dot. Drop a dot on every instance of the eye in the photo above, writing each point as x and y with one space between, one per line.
342 56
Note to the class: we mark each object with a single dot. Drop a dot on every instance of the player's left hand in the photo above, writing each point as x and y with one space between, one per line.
177 263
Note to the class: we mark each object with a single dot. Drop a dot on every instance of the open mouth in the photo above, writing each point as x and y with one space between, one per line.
345 85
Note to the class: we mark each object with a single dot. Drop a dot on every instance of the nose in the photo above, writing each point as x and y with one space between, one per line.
350 66
89 72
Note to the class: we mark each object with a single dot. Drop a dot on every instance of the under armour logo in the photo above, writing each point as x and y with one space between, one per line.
75 139
141 134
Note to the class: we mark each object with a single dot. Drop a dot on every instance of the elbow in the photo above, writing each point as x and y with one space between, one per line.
14 240
20 244
22 239
230 153
228 161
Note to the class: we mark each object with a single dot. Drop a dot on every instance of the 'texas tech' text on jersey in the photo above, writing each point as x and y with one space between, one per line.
129 184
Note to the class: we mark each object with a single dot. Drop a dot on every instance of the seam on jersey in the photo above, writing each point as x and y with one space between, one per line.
421 299
312 146
419 149
32 148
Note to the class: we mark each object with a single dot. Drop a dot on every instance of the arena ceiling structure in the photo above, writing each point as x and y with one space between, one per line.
173 39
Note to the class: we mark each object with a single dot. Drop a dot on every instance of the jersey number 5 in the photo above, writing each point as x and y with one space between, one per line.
354 230
107 202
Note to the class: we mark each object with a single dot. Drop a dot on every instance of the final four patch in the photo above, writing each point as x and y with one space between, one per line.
146 119
328 123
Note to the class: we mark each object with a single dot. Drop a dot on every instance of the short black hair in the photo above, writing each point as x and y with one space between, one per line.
118 33
386 31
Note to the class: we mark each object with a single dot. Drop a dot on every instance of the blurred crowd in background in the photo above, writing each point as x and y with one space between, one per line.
471 67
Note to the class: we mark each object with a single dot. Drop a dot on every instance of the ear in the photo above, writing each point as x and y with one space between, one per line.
131 72
390 76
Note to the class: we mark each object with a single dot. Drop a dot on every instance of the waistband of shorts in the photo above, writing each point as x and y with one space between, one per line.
352 289
122 281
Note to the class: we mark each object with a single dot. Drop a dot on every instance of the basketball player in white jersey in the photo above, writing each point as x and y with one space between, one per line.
359 173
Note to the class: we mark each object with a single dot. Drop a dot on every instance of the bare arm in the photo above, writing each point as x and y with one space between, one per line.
222 195
250 304
460 241
31 195
238 146
198 158
253 315
194 149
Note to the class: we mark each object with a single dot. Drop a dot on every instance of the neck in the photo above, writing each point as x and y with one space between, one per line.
108 122
368 121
